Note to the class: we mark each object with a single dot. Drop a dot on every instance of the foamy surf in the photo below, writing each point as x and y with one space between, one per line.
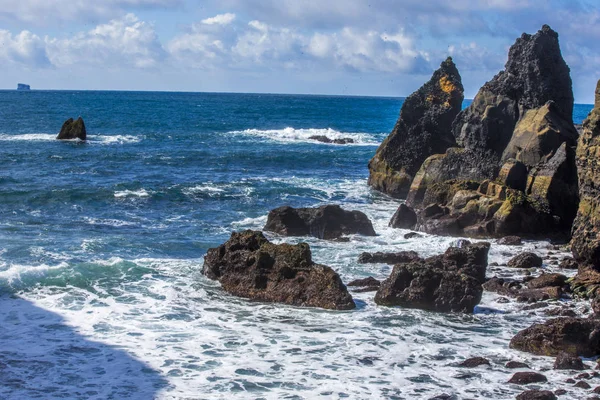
304 135
51 137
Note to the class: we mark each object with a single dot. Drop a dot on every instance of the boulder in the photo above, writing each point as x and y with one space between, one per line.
423 129
516 365
585 243
513 174
412 235
534 74
388 258
73 130
510 241
568 263
547 280
526 260
586 283
526 378
568 361
449 282
474 362
574 336
250 266
369 284
325 222
537 395
404 218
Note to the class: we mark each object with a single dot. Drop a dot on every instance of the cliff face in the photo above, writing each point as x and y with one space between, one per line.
586 242
423 129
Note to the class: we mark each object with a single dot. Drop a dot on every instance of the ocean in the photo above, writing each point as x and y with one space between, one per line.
102 245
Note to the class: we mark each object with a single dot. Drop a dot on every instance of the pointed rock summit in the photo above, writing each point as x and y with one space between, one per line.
73 130
423 129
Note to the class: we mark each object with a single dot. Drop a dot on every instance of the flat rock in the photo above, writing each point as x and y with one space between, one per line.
516 365
250 266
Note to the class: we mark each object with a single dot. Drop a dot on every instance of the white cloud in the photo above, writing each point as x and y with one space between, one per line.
121 42
25 49
221 19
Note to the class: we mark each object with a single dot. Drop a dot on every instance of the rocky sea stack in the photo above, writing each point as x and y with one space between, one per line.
73 129
423 128
250 266
508 166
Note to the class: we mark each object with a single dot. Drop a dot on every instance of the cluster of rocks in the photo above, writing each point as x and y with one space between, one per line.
504 165
325 139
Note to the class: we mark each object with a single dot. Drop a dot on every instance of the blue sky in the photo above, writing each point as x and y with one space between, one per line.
358 47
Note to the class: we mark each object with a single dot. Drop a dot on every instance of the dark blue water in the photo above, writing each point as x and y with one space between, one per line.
110 234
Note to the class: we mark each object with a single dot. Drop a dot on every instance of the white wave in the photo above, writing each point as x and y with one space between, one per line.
51 137
107 221
132 193
303 135
16 272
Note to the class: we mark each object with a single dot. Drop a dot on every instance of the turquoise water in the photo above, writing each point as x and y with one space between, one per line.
101 245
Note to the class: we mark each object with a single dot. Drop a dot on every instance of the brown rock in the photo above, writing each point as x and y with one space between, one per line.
568 361
474 362
526 378
537 395
526 260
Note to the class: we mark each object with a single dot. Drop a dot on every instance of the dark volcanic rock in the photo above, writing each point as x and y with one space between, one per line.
404 218
325 139
535 73
516 364
411 235
369 284
568 263
547 280
575 336
448 282
526 260
537 395
325 222
250 266
510 241
73 130
474 362
388 258
568 361
423 129
583 385
586 242
525 378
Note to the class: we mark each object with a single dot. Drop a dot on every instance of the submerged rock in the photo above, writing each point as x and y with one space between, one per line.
448 282
586 227
510 241
568 361
474 362
325 222
423 129
250 266
369 284
73 130
574 336
325 139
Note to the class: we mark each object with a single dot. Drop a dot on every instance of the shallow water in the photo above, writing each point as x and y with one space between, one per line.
101 247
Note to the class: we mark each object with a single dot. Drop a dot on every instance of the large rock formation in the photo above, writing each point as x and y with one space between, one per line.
250 266
534 74
449 282
422 129
514 172
325 222
73 130
574 336
586 242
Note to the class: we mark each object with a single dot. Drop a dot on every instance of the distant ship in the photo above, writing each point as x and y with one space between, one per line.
22 86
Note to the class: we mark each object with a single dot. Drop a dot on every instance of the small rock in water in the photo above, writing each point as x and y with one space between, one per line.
388 258
537 395
510 241
583 385
526 260
325 139
73 130
474 362
516 364
411 235
568 263
525 378
369 284
567 361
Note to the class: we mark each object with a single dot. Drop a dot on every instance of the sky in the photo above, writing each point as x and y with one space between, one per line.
343 47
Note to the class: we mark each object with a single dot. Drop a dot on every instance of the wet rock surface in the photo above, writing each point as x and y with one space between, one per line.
537 395
526 260
388 258
73 129
250 266
325 222
526 378
448 282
